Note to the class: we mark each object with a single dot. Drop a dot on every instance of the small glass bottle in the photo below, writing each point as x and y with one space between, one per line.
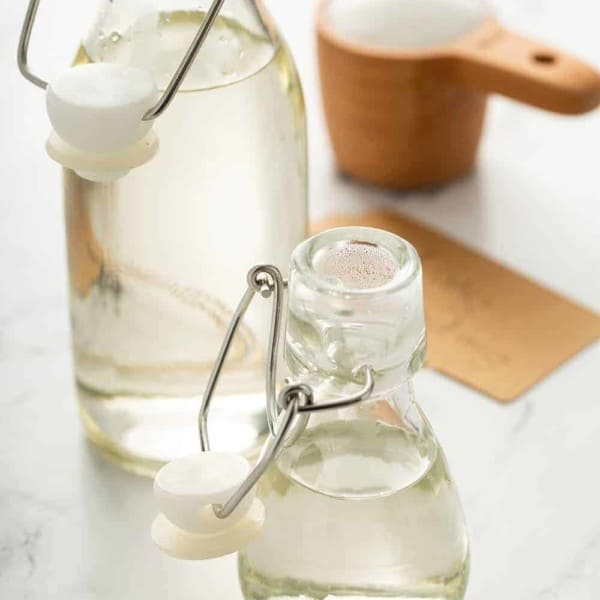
155 258
361 504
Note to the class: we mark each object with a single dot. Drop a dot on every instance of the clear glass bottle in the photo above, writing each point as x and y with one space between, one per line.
362 504
156 258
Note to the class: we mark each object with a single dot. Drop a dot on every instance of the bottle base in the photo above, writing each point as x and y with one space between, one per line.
143 433
258 586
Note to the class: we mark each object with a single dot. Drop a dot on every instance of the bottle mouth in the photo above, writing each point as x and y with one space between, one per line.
356 261
355 299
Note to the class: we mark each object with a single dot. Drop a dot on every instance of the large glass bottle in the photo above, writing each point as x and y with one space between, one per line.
156 258
361 504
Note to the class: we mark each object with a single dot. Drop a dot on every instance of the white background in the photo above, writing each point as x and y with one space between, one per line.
74 526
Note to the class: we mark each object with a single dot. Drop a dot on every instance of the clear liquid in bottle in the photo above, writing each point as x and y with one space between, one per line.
359 510
361 504
158 259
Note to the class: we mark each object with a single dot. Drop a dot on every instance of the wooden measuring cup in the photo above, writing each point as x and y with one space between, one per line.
411 115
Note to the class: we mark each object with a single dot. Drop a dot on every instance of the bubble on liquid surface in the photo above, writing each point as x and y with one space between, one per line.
356 265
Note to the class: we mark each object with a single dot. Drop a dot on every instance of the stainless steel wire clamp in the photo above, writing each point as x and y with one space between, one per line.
292 406
176 80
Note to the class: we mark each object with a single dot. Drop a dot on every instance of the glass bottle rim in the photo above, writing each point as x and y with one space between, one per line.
403 253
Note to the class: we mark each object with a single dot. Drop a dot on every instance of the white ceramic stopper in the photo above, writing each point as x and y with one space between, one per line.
185 491
98 108
103 167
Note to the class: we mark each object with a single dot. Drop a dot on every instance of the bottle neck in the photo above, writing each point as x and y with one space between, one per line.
303 368
396 394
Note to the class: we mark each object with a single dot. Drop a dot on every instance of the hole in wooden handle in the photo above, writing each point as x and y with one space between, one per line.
544 58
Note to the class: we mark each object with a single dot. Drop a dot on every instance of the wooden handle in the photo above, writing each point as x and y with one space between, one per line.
499 61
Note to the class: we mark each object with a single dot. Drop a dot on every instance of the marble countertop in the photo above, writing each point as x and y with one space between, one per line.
73 526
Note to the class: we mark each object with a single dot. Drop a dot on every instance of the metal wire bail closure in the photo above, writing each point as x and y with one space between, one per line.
295 401
265 280
197 494
176 80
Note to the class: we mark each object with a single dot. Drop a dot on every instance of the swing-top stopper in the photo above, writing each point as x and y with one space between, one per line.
102 113
97 112
187 492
